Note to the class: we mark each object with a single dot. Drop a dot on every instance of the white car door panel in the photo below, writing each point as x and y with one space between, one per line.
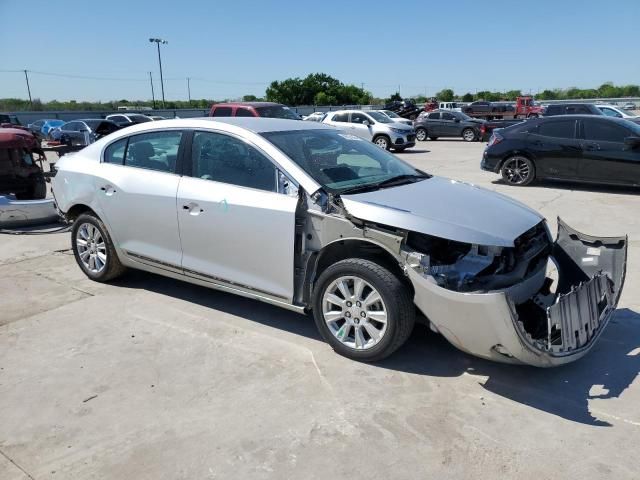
234 226
138 199
238 235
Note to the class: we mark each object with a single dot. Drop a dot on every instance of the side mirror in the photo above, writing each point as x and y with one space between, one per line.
457 120
632 142
366 123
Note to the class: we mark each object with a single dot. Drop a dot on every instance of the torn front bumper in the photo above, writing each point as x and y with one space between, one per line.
491 325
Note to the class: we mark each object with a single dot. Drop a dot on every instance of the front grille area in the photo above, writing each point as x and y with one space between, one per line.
411 138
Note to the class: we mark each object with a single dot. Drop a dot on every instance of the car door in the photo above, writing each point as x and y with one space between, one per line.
236 229
360 125
555 147
605 156
137 186
433 124
448 125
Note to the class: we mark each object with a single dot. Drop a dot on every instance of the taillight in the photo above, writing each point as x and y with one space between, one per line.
495 139
483 129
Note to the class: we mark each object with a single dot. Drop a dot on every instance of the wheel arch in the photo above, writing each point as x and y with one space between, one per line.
514 153
343 248
78 209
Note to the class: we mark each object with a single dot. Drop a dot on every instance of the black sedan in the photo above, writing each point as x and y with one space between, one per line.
445 123
583 148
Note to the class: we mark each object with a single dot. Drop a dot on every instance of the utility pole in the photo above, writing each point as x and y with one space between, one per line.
26 77
153 96
158 41
189 89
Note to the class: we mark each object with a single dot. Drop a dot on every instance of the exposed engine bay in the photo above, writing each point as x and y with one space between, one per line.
468 267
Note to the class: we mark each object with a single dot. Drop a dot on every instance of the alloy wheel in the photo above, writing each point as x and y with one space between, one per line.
92 250
354 312
517 170
469 135
382 142
421 135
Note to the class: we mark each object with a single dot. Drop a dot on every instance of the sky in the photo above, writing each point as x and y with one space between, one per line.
234 48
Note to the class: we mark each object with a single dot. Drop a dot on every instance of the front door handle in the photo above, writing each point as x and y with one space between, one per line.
193 208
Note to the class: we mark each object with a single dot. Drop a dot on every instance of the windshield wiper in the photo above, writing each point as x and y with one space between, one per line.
397 180
400 179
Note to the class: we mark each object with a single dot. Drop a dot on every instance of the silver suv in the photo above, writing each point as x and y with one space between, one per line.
374 126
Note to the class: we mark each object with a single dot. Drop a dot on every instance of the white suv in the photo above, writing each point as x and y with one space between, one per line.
373 126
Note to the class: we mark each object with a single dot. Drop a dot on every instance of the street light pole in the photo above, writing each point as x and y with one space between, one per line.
26 76
189 89
158 41
153 96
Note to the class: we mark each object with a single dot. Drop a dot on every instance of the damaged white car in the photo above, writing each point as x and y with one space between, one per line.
313 219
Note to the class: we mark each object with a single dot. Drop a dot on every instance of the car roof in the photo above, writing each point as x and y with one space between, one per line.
247 104
252 124
583 116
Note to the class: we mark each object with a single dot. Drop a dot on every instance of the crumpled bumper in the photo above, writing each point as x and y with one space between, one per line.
591 273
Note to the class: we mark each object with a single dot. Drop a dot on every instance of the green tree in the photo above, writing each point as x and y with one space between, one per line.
396 97
249 98
467 97
445 95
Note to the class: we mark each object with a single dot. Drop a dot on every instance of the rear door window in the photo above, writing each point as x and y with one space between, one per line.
222 112
434 116
448 116
602 131
154 151
340 117
558 129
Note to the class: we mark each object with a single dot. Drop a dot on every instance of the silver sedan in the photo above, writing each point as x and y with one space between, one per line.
313 218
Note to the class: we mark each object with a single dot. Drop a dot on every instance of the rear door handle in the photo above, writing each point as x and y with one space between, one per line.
193 208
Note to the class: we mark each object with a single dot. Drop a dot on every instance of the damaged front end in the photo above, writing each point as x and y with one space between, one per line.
499 302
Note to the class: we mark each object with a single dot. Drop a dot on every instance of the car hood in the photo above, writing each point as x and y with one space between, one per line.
447 209
399 126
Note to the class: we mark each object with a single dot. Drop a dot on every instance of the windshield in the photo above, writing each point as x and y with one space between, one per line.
391 114
380 117
462 116
277 111
339 161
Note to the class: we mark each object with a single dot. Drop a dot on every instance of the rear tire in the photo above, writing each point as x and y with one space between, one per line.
362 310
421 134
94 250
518 170
468 135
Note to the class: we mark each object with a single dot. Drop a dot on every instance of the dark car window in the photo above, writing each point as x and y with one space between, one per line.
243 112
226 159
153 151
114 153
71 127
358 117
558 129
604 131
434 116
139 118
222 112
554 109
277 111
340 117
119 118
576 109
448 116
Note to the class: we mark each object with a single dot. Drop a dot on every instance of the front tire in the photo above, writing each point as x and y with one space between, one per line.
421 134
362 309
518 170
94 250
383 142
